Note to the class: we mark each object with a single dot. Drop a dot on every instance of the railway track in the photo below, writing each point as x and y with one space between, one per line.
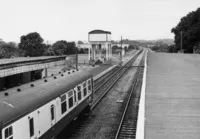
101 88
128 123
104 78
110 78
110 81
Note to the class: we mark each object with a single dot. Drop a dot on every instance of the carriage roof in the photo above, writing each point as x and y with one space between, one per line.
20 103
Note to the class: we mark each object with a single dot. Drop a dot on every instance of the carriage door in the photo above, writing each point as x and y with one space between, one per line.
75 96
53 114
32 128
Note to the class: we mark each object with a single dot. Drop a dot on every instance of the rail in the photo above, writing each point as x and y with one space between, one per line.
115 78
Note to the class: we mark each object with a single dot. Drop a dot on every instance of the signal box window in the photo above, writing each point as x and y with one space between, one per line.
9 133
79 92
31 126
63 104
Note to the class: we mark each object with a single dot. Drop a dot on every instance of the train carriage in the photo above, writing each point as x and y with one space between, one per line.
42 111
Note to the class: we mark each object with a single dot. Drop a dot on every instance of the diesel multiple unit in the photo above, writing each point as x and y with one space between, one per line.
41 109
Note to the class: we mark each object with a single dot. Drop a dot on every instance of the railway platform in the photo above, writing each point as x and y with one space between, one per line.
171 98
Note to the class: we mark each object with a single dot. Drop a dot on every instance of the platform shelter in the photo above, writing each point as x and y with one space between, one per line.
16 71
100 45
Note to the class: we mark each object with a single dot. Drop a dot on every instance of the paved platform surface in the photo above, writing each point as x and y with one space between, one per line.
172 100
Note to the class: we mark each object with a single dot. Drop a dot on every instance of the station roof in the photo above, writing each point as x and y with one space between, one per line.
24 64
99 32
17 60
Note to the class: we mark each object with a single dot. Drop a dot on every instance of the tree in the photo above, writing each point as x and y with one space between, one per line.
172 49
155 48
114 48
58 48
9 50
71 48
189 27
32 44
63 47
48 50
80 42
130 47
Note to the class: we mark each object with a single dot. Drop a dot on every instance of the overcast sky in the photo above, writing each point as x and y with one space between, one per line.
71 20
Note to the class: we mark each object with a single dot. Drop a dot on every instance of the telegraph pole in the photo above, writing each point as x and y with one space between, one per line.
121 51
76 58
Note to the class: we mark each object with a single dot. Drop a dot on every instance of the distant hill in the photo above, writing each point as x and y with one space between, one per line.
168 41
146 42
143 42
163 41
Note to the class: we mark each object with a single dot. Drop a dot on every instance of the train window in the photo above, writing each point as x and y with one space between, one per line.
79 95
79 88
89 87
31 126
63 107
85 91
52 112
9 133
63 98
70 96
70 102
79 92
89 81
70 93
84 84
74 95
63 104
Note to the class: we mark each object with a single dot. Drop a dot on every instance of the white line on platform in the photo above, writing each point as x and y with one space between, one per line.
141 114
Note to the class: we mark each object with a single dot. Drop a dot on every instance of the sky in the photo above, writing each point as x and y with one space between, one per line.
71 20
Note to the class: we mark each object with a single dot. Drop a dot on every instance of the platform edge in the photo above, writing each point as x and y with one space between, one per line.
141 114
